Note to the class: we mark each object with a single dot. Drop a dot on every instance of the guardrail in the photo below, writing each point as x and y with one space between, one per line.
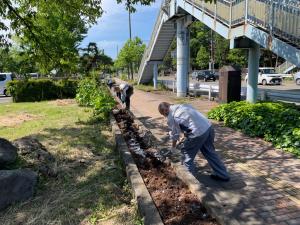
280 96
212 91
194 89
277 17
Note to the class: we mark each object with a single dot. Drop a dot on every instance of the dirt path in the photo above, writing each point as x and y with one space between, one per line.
265 184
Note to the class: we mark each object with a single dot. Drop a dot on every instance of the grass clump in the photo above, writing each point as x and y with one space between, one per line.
150 88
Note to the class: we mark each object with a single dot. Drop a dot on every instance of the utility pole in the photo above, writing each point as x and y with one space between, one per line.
129 17
130 36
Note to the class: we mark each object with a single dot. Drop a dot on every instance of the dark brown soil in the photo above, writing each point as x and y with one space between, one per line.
176 204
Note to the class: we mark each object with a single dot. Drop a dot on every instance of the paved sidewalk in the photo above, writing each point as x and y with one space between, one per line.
265 184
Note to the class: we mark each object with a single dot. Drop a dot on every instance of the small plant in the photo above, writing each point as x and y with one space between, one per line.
87 89
274 121
95 95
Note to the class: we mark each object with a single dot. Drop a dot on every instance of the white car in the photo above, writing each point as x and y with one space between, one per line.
4 78
267 75
34 75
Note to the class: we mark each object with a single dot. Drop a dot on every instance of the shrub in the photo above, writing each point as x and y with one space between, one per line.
67 88
277 122
87 89
41 89
95 95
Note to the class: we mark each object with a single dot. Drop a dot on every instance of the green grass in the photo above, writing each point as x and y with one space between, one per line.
150 88
47 115
91 186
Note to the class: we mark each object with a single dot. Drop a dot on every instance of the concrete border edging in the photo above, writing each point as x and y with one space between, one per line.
144 200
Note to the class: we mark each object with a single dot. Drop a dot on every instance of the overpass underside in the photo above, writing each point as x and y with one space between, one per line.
250 24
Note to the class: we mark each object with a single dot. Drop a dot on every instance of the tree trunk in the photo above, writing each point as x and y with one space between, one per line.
128 69
131 68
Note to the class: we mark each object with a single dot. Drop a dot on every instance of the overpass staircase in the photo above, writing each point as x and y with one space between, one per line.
273 24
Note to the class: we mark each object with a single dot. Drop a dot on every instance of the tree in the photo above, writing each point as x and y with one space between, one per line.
93 59
50 31
200 36
131 3
202 58
130 54
17 61
238 57
200 43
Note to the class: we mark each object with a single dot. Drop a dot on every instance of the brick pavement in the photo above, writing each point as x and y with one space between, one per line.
265 184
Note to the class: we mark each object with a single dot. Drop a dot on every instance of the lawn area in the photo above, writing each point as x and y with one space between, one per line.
90 187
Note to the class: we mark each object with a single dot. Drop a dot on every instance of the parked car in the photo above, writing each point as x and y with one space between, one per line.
297 78
34 75
267 75
205 75
4 78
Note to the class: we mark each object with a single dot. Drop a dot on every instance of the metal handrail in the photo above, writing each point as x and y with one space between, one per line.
153 35
284 66
277 17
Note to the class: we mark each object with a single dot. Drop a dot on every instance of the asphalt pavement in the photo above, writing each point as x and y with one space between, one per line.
4 99
289 86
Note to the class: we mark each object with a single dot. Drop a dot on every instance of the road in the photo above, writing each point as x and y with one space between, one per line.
286 86
4 99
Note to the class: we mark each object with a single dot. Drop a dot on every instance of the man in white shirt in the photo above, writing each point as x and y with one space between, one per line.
199 135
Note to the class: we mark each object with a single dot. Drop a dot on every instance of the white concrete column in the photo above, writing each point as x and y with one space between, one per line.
253 67
155 75
182 58
188 61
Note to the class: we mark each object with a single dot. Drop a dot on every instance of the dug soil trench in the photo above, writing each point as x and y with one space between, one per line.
175 203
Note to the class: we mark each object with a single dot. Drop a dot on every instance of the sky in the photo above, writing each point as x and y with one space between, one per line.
112 29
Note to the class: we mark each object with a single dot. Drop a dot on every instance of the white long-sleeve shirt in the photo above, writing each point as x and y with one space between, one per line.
186 119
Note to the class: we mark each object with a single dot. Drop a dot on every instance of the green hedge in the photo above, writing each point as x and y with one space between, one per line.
92 94
41 89
278 123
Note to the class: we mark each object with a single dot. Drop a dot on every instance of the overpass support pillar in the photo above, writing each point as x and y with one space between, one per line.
155 75
182 57
253 67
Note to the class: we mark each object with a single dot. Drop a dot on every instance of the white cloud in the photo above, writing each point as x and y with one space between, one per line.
105 44
111 29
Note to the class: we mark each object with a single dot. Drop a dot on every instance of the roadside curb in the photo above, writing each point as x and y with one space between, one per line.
144 200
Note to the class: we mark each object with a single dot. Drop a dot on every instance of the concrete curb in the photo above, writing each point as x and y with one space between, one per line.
145 203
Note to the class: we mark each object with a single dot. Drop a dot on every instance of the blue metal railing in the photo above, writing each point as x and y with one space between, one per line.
278 17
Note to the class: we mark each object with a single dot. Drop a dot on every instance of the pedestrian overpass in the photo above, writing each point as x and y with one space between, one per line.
251 24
